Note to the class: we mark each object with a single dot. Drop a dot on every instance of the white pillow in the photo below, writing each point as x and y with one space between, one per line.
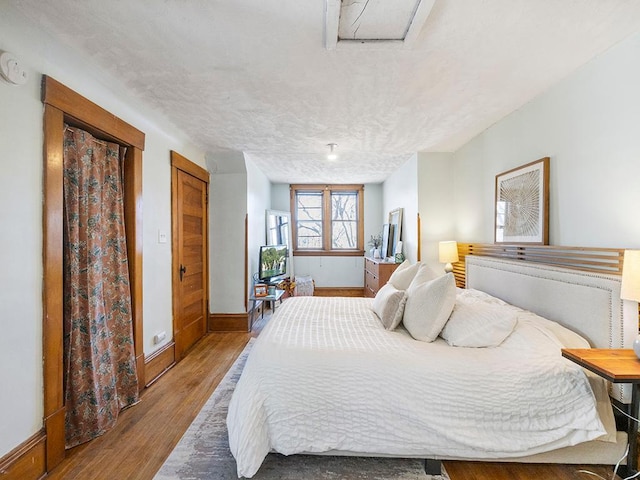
423 275
429 306
403 275
389 305
479 325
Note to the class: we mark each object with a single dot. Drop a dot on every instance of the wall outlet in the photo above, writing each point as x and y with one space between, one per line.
162 236
159 337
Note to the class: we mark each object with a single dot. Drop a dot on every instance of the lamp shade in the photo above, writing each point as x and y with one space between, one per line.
630 289
448 251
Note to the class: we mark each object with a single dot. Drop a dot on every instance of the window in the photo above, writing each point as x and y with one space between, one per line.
328 219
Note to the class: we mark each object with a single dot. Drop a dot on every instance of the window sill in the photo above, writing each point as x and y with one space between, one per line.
328 253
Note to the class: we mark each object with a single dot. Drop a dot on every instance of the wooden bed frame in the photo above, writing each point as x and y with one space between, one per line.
587 259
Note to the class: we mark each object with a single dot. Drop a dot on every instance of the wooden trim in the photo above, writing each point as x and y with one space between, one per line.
326 220
186 165
246 261
26 461
64 105
74 105
159 362
52 292
338 292
56 441
229 322
325 186
597 260
328 253
175 258
133 225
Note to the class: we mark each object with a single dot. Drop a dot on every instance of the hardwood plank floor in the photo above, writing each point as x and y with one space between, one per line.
147 433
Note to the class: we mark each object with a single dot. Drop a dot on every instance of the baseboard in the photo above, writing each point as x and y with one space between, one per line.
26 461
228 322
338 292
56 439
159 362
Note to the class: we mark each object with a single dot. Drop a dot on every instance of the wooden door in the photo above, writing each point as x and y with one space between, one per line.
190 245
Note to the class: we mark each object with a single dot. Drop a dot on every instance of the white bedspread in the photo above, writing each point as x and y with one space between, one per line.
325 375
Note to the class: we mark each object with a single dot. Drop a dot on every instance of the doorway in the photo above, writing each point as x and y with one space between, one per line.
190 247
64 105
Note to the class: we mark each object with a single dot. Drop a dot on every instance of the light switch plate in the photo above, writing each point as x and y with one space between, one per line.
162 236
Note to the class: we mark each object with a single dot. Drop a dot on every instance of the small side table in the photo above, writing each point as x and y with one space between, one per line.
617 366
266 298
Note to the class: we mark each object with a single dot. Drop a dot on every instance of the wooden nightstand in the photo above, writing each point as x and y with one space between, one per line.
617 366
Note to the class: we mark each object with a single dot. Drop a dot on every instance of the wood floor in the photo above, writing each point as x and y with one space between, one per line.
148 432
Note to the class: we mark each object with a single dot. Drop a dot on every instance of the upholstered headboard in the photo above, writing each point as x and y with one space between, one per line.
585 302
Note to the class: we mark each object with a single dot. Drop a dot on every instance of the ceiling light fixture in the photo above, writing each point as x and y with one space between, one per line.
332 155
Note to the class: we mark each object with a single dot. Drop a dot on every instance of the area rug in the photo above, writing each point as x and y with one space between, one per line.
203 452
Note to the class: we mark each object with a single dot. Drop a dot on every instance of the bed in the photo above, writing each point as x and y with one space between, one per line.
325 377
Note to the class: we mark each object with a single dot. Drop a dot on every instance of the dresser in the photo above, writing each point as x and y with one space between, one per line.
376 274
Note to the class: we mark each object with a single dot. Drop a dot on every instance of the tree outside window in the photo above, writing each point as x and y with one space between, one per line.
328 219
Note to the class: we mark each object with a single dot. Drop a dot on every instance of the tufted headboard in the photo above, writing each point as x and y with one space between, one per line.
585 302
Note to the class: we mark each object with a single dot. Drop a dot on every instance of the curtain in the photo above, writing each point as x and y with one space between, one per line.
99 358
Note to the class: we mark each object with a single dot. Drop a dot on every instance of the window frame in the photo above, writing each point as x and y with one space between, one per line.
327 220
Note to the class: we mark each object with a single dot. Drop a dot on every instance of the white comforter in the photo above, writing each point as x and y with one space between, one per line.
325 375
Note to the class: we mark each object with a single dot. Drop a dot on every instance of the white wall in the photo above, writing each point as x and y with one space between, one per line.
588 124
374 214
21 401
258 201
156 263
435 204
400 190
336 271
280 197
228 210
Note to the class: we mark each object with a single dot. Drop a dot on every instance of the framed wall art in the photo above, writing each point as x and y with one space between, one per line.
522 204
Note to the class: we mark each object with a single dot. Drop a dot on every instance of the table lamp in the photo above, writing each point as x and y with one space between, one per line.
448 253
630 288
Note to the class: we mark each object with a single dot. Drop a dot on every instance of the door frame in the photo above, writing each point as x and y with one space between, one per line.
63 105
179 162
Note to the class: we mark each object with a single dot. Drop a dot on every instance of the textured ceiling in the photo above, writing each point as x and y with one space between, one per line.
253 76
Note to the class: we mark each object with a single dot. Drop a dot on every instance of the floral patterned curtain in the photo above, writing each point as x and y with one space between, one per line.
100 369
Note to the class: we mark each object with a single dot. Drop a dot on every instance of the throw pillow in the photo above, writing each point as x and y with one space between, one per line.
423 275
428 307
479 325
389 305
403 275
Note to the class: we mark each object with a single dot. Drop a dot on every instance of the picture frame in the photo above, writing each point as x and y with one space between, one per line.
395 220
260 290
521 207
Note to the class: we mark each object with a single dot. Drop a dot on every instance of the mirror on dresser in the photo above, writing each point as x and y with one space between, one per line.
278 232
